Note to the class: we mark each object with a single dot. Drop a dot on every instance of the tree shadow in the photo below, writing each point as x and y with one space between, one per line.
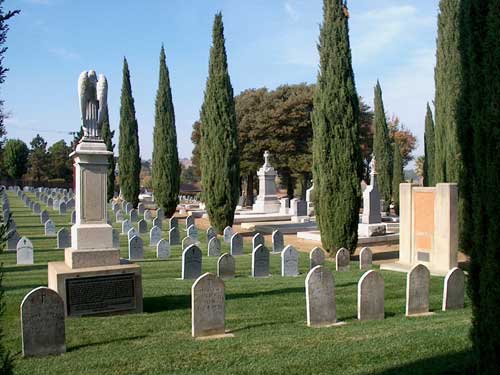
22 268
264 293
166 303
250 326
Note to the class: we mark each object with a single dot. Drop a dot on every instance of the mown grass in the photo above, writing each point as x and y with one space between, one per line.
267 317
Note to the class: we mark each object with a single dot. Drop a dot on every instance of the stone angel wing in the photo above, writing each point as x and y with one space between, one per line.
82 84
102 97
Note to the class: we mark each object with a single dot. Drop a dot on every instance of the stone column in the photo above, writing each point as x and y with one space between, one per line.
267 200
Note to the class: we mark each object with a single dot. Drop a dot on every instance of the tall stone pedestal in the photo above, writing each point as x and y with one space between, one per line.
93 279
267 200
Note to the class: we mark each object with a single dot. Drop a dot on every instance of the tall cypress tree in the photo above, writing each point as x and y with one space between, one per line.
107 136
337 164
450 80
166 168
129 162
429 162
382 146
398 176
220 166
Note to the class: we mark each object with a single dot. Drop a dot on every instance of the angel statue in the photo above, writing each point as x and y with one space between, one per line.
93 94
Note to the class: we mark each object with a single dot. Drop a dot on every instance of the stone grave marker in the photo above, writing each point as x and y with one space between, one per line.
55 204
257 240
126 226
192 232
116 239
63 238
278 241
162 249
62 208
36 208
211 234
208 306
131 233
160 214
187 241
189 221
124 205
140 208
236 244
147 215
228 233
191 262
316 257
260 262
226 266
417 290
365 258
320 297
154 236
371 296
214 247
24 251
135 248
142 226
119 216
12 240
70 204
73 217
42 323
50 201
157 222
50 228
44 216
128 208
289 261
173 222
133 215
454 290
173 236
342 259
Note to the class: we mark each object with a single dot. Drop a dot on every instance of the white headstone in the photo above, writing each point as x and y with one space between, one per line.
417 290
208 306
316 257
320 297
44 216
126 226
154 236
289 261
236 244
135 248
24 251
50 228
257 240
228 233
371 296
131 233
147 215
192 232
142 226
119 216
454 289
173 236
211 234
260 262
63 238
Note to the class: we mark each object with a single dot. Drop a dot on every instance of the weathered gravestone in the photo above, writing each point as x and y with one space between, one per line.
257 240
162 249
142 226
12 240
342 259
157 222
154 236
73 217
289 261
211 234
147 215
36 208
454 288
214 247
189 221
173 236
365 258
70 204
42 323
173 222
417 290
140 208
119 217
135 248
24 250
115 207
50 202
44 216
116 239
228 233
278 241
371 296
316 257
320 297
188 241
131 233
63 238
62 208
133 215
128 208
126 226
208 306
260 262
191 262
226 266
236 244
192 232
50 228
160 214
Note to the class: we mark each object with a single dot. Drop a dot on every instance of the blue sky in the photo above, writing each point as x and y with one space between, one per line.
269 43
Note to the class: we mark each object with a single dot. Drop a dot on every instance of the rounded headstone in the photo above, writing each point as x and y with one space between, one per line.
316 257
236 244
278 241
208 306
342 259
417 290
214 247
24 250
365 258
320 297
371 296
454 289
289 261
226 266
260 262
191 262
162 249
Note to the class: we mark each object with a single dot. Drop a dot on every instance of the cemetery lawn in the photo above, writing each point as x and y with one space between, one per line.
267 317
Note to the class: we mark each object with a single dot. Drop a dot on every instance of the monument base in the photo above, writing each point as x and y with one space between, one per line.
403 267
91 258
103 290
267 206
371 230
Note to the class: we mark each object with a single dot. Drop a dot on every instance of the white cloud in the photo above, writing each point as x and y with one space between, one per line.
291 11
64 53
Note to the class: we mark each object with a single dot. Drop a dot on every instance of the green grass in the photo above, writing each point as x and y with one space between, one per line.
267 317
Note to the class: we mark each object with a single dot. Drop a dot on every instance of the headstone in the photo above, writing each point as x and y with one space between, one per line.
24 251
12 240
62 208
278 241
42 323
160 214
116 239
128 208
187 241
417 290
320 297
192 232
126 226
236 244
44 216
289 261
124 206
228 233
454 290
131 233
173 236
226 266
154 236
36 208
142 226
211 234
260 262
207 306
316 257
191 262
214 247
50 201
157 222
162 249
140 209
70 204
50 228
147 215
189 221
173 222
257 240
365 258
342 259
135 248
63 238
119 216
73 217
115 207
371 296
133 215
55 204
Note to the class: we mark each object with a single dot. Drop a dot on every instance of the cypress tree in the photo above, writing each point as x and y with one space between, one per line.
382 146
450 80
398 176
429 149
166 168
107 136
129 162
337 163
220 167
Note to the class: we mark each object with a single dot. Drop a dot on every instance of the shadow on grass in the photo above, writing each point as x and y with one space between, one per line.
24 268
386 255
448 364
77 347
250 326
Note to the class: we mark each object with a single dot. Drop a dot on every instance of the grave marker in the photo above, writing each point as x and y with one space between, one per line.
208 306
289 261
260 262
226 266
417 290
278 241
454 288
191 262
135 248
316 257
63 238
371 296
24 250
214 247
162 249
365 258
320 297
342 259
